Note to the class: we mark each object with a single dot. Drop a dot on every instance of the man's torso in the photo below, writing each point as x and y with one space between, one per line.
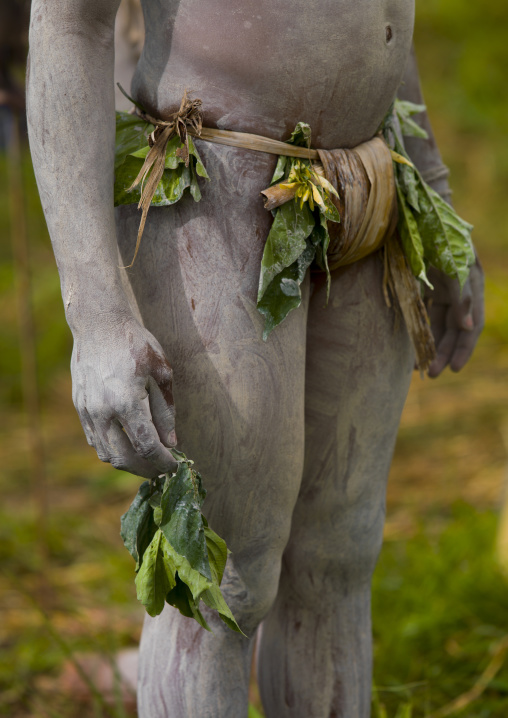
263 66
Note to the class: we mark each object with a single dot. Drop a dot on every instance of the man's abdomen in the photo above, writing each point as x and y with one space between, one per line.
263 66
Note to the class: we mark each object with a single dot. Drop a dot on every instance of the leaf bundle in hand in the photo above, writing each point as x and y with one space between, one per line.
179 559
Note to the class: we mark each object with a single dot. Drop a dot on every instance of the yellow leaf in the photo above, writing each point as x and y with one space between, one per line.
305 197
317 197
400 159
326 185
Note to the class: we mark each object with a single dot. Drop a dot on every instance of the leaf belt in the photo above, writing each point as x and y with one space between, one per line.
367 204
335 207
363 178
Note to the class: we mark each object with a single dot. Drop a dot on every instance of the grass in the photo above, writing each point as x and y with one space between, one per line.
439 610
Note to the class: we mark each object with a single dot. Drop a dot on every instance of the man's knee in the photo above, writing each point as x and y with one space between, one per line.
251 583
334 558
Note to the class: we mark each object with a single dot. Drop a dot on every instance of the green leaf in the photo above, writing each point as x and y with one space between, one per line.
180 456
124 177
411 129
284 293
446 237
404 174
194 186
320 238
408 126
131 135
137 524
410 238
196 582
301 135
217 554
405 108
285 242
199 166
431 231
155 499
157 515
288 254
170 188
408 181
181 520
331 212
182 487
280 169
172 159
213 598
181 598
155 577
131 149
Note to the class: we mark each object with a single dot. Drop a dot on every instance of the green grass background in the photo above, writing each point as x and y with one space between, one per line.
440 601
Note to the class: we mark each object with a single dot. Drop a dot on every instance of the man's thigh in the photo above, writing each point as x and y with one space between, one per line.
239 401
358 369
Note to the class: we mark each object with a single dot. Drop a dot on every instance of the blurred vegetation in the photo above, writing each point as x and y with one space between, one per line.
440 601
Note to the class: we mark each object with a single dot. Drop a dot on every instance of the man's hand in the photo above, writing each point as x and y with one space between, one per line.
456 317
122 393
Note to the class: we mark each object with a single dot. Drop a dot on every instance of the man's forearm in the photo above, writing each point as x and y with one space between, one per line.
71 123
424 153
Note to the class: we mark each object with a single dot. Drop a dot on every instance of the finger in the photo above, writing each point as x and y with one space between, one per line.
163 414
437 317
123 456
93 436
463 349
461 305
145 441
468 340
162 373
444 352
87 424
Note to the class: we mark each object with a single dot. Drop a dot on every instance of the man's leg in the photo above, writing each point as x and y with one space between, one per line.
240 417
315 647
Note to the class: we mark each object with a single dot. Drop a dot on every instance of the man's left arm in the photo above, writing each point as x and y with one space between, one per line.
456 317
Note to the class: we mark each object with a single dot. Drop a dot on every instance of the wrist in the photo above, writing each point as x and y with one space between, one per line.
96 309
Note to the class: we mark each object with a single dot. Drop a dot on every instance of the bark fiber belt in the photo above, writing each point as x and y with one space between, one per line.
259 143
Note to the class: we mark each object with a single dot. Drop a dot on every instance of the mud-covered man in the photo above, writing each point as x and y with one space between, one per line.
294 436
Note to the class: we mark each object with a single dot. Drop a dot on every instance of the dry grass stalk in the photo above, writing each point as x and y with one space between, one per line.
405 288
464 700
188 118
